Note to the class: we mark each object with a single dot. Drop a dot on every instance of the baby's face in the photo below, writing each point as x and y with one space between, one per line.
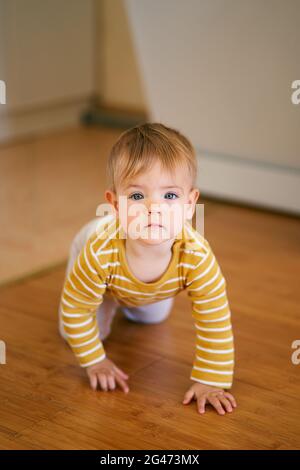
154 206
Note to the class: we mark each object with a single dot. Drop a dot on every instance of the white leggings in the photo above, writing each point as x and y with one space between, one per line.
151 313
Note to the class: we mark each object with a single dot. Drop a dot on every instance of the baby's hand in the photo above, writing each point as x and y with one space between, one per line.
215 396
106 373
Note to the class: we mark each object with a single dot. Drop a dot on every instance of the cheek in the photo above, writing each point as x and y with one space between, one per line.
136 210
174 214
173 218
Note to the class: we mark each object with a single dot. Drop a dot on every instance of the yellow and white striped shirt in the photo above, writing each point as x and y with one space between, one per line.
101 267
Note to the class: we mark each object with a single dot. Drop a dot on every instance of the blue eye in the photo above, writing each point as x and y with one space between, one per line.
172 194
135 194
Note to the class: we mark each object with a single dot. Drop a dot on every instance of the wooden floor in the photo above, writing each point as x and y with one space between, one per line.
45 398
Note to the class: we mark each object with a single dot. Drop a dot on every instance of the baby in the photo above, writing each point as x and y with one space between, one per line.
140 256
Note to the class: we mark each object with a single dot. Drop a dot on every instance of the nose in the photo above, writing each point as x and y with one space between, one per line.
154 212
153 207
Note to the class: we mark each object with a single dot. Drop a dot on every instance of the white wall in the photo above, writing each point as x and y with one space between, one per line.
221 71
118 83
46 57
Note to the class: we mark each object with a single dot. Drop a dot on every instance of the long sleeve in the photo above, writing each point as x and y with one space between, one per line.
214 356
82 293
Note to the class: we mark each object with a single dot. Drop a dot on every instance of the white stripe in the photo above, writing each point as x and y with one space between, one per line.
194 266
123 278
106 252
74 287
95 257
81 335
169 281
144 293
194 236
92 270
219 384
64 301
215 362
217 351
216 320
79 300
78 325
225 328
94 361
115 263
217 286
209 310
99 346
80 291
186 265
209 268
86 275
103 286
213 371
74 315
192 252
203 260
86 342
129 290
214 340
210 300
206 283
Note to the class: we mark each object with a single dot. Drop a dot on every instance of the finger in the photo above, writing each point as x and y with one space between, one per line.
125 376
103 381
188 396
201 405
93 381
216 404
230 398
111 382
226 403
122 384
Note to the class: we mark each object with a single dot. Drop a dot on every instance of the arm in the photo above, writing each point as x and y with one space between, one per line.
82 293
214 356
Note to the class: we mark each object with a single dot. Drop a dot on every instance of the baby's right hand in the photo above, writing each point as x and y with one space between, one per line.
106 373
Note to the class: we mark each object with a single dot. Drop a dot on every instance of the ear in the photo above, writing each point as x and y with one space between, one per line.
192 201
112 199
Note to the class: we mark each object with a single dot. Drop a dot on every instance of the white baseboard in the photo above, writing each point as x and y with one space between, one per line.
36 121
255 183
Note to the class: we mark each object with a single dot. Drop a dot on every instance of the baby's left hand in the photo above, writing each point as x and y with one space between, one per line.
214 395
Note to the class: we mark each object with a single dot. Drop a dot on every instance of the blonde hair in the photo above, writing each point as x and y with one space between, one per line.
140 146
